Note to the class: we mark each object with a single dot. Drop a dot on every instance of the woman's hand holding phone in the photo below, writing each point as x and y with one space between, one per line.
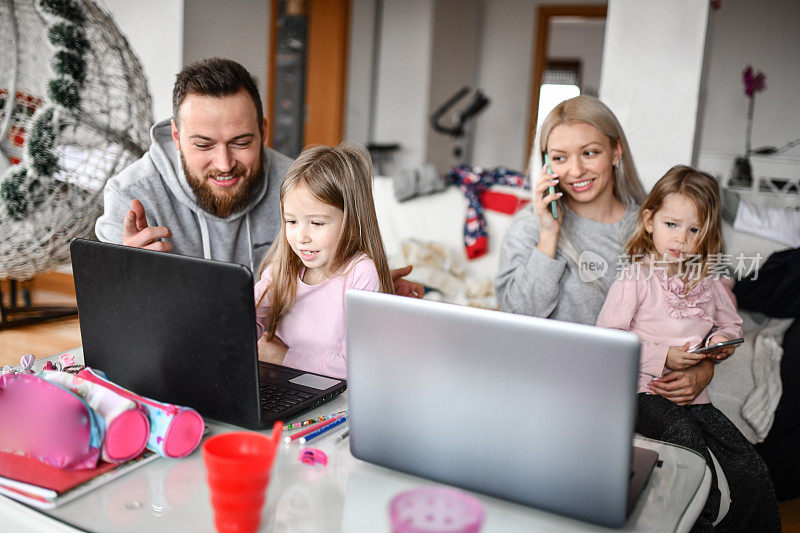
542 197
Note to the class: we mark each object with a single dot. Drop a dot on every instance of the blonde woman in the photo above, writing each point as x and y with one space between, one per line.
561 268
597 191
329 242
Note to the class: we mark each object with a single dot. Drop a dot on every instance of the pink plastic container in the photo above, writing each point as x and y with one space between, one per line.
435 510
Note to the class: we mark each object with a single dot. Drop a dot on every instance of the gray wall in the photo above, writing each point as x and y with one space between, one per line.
506 68
236 29
765 35
168 34
404 74
582 41
456 42
358 95
154 30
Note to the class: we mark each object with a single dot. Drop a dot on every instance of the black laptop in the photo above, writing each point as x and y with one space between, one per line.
182 330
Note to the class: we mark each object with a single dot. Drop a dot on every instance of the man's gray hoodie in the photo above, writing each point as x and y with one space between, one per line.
157 180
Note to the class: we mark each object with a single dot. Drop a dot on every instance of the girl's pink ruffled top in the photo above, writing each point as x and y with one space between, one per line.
664 311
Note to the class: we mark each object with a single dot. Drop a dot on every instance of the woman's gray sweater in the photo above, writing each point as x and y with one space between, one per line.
530 283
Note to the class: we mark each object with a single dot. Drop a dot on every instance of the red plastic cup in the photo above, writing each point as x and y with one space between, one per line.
238 465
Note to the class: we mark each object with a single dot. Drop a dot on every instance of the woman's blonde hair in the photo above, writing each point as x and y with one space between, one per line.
588 109
703 191
340 176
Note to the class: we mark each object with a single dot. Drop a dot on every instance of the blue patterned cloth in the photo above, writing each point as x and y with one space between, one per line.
473 182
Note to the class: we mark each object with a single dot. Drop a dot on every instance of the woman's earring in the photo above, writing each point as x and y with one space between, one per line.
616 165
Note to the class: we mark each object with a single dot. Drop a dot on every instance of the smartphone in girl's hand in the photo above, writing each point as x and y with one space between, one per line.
716 346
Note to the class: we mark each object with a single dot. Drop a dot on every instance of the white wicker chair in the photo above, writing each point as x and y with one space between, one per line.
74 111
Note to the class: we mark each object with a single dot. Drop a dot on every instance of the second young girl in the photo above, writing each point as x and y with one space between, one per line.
671 298
329 242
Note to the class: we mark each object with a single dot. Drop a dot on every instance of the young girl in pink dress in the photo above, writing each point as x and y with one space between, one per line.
671 296
329 242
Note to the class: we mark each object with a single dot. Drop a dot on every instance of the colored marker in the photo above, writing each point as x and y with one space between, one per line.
317 433
311 429
310 421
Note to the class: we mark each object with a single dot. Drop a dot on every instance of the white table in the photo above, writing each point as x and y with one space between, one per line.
348 495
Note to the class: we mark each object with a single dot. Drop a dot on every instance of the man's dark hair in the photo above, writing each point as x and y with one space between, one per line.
214 76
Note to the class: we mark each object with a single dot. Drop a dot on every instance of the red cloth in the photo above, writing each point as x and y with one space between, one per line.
478 248
502 202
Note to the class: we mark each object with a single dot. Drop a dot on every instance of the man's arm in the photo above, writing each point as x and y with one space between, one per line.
124 219
404 287
109 225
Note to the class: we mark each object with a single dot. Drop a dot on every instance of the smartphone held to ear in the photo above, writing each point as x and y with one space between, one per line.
551 190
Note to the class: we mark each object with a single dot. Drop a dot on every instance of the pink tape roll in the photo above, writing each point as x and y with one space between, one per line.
313 456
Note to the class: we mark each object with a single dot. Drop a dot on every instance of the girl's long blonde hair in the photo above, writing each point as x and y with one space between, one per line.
340 176
703 191
588 109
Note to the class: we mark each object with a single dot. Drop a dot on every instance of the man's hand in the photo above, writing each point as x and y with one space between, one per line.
683 386
720 354
273 351
403 287
136 232
679 359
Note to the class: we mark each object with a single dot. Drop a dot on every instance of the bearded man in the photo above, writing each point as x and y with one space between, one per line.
208 187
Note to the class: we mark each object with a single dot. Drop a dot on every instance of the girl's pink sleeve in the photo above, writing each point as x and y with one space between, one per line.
727 321
262 309
622 304
364 276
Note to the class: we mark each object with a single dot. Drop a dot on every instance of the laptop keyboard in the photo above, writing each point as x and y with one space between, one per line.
276 400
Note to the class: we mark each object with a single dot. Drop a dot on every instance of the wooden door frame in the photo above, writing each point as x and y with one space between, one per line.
326 71
543 16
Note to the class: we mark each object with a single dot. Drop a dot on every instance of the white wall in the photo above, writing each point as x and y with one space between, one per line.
652 67
154 30
234 29
763 34
404 78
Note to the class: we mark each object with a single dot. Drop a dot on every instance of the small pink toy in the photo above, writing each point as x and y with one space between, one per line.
313 456
26 362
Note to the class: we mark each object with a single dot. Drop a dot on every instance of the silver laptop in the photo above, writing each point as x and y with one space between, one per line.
536 411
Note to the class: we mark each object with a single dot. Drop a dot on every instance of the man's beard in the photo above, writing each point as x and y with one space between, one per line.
218 201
